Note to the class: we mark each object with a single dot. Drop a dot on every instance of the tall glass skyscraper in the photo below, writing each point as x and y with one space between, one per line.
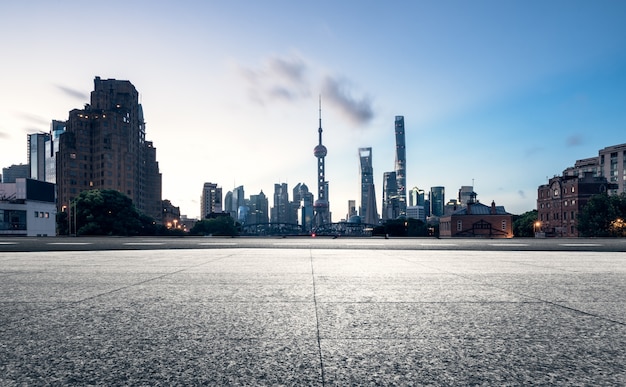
391 203
400 164
368 212
437 200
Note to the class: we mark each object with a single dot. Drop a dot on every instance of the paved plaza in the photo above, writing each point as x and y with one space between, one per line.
302 316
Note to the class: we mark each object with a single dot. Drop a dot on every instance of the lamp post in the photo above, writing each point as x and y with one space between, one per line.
536 225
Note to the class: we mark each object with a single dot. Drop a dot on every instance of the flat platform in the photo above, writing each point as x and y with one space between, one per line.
301 316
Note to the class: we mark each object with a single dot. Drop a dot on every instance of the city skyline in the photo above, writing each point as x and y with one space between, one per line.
501 95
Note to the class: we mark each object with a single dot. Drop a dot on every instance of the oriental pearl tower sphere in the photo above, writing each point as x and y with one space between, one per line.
320 207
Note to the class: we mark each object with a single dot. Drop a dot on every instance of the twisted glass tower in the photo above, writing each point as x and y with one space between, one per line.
400 165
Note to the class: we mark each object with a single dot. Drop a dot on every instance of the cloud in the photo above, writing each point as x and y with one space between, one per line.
286 78
33 118
357 110
574 140
291 70
73 93
277 79
533 150
521 194
4 135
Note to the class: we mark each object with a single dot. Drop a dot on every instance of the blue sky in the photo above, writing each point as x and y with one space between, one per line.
505 94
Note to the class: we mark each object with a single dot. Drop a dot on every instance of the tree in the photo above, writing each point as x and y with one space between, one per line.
524 224
603 216
109 212
220 226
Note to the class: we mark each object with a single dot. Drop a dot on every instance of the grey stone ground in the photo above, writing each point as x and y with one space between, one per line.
312 317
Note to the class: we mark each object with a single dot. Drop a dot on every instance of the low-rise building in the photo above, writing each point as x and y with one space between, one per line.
476 220
27 208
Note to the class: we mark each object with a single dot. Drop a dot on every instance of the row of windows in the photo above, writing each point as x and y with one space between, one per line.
565 203
459 225
41 214
555 216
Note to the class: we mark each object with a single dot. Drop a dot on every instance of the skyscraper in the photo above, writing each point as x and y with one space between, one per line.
321 207
211 201
52 147
37 155
437 200
400 165
391 203
104 147
367 212
303 205
280 211
258 209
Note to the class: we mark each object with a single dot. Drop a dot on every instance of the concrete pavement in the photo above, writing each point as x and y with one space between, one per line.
302 316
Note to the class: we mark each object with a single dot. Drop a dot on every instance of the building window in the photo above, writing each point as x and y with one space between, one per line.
504 225
459 225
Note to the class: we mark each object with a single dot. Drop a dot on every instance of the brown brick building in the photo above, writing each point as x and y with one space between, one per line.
104 147
477 220
560 201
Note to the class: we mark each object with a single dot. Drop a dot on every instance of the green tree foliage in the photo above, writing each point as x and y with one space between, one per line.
524 224
220 226
109 212
603 216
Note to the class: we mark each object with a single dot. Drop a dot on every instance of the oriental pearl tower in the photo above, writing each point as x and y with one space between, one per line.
320 207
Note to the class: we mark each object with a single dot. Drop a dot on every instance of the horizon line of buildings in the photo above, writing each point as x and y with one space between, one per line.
104 146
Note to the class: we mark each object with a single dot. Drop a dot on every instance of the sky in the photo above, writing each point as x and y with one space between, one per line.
499 94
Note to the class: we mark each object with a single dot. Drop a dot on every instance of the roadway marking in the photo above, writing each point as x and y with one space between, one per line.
509 244
70 243
365 244
144 243
8 243
217 244
580 244
438 244
292 244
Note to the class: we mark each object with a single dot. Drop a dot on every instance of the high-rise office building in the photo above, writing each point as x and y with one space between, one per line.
351 210
235 200
280 211
37 144
321 207
400 165
368 211
466 193
52 147
104 147
437 200
416 197
391 202
302 204
211 201
258 209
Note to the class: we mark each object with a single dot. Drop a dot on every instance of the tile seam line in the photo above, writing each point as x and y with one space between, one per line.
317 319
71 303
553 303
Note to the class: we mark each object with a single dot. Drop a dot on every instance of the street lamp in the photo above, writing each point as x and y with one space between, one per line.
536 225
